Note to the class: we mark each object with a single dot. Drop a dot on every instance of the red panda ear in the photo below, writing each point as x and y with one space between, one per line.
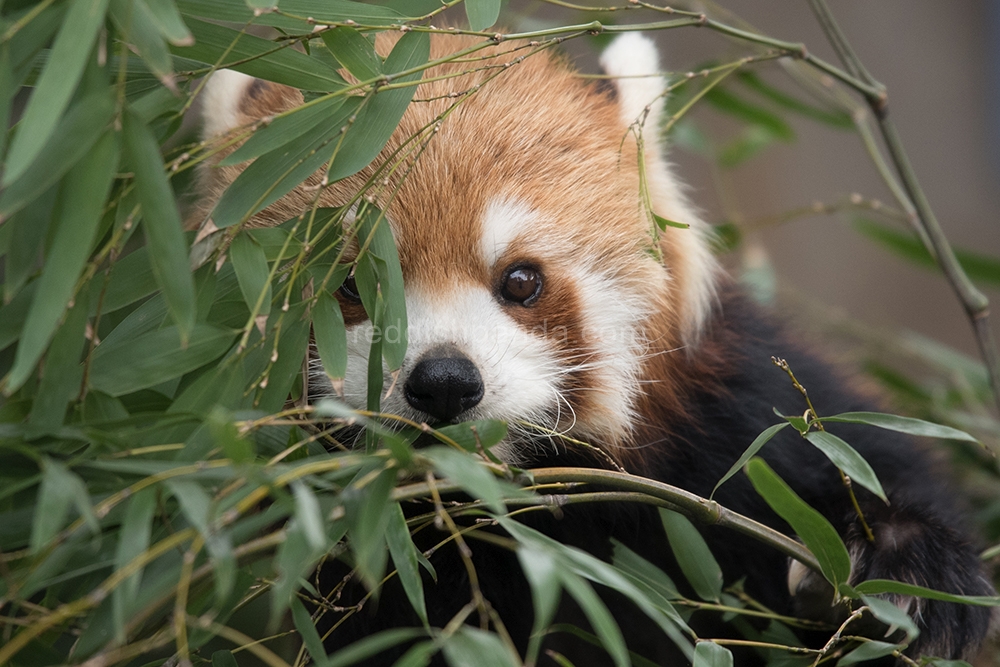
232 99
635 63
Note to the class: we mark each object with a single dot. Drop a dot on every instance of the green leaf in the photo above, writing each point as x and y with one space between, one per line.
252 272
307 630
8 89
224 432
405 557
482 14
980 268
169 22
62 371
732 104
64 68
600 618
891 615
374 227
275 174
637 567
836 118
368 511
869 651
709 654
236 11
133 540
372 645
848 460
331 336
286 128
131 279
224 47
693 555
542 572
287 368
162 222
71 140
819 536
879 586
354 52
752 140
60 489
27 231
472 646
81 201
153 358
471 435
750 452
464 469
139 28
262 6
908 425
308 515
418 655
224 659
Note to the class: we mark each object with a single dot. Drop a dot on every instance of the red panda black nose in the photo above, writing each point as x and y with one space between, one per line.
444 384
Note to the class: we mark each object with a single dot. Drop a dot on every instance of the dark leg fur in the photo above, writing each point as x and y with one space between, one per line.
919 537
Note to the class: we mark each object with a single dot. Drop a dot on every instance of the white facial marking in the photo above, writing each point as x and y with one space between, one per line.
502 220
634 58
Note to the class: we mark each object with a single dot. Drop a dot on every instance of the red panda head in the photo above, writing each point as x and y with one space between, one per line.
535 292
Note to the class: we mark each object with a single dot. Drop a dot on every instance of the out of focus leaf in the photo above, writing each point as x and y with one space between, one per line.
81 202
482 14
237 11
869 651
169 22
307 630
598 616
836 118
60 489
732 104
62 371
162 222
710 654
819 536
139 27
374 227
54 88
372 645
472 646
887 612
133 539
979 267
848 460
155 357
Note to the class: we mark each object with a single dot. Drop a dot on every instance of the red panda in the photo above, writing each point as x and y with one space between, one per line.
538 290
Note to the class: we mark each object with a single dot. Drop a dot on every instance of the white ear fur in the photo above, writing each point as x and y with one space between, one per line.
634 60
221 101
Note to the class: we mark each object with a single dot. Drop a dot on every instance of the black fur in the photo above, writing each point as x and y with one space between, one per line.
920 537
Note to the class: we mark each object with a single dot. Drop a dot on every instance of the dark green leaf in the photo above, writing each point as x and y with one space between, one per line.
693 555
634 565
600 618
879 586
307 630
331 336
709 654
848 460
819 536
252 272
836 118
869 651
286 128
60 489
405 557
62 371
27 232
908 425
354 52
482 14
139 28
287 367
169 22
64 68
372 645
81 201
369 510
153 358
374 227
750 452
227 48
542 572
133 540
730 103
162 222
237 11
224 659
471 435
72 138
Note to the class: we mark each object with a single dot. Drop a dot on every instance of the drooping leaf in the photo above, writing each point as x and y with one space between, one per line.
819 536
162 222
405 558
848 460
61 489
252 272
169 22
81 200
471 435
133 539
482 14
55 86
307 630
693 555
331 336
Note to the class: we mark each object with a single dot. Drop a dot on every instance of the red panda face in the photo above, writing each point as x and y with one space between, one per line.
533 292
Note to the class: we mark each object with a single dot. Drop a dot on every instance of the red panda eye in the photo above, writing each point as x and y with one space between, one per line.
521 284
349 289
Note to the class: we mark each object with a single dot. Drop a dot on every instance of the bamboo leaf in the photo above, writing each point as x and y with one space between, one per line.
169 22
237 11
488 432
385 260
750 452
307 630
372 645
331 336
162 222
139 28
286 369
869 651
693 555
848 460
368 511
710 654
62 371
472 646
285 129
894 617
54 88
599 617
81 200
881 586
252 272
819 536
133 539
908 425
465 470
354 52
155 357
406 559
482 14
